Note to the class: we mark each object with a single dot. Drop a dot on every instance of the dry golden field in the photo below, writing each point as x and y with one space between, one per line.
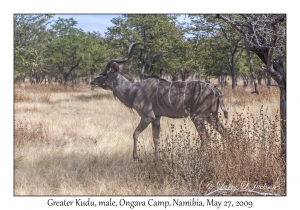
79 142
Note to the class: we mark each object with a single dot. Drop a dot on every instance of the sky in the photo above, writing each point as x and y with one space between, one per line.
90 23
99 23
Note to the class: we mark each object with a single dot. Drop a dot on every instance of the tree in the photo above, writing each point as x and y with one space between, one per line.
158 33
73 52
182 59
220 36
96 54
212 60
231 52
200 36
265 35
30 39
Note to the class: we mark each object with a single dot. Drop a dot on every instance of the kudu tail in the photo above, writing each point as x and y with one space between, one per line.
220 98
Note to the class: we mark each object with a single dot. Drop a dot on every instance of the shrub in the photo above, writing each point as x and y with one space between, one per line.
25 133
244 160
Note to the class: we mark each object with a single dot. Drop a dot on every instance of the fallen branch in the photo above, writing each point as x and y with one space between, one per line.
255 92
240 191
278 86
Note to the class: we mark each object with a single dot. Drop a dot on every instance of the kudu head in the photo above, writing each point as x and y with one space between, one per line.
100 81
112 69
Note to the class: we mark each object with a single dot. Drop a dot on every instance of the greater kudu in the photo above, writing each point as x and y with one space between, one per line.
155 97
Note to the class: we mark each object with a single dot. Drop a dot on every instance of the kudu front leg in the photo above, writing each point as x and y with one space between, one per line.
142 126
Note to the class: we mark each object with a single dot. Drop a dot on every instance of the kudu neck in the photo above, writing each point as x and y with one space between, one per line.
124 89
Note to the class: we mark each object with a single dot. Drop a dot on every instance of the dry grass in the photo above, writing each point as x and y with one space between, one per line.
79 142
245 158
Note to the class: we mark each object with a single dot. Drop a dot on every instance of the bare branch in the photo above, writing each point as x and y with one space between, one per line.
75 66
242 47
233 24
271 50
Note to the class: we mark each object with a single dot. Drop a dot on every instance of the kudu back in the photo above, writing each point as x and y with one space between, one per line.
155 97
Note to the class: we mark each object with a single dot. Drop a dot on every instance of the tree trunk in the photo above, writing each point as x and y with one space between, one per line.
277 72
283 120
141 76
160 72
252 72
233 76
66 79
222 80
73 83
245 80
233 73
199 73
207 80
259 80
49 80
184 75
268 80
174 77
33 81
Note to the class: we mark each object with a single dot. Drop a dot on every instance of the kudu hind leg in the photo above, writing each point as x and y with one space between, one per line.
155 132
199 124
142 126
215 122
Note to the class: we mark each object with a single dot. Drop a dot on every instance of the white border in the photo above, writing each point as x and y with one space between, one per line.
8 201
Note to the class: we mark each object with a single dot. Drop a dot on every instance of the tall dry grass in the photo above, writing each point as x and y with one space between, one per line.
79 142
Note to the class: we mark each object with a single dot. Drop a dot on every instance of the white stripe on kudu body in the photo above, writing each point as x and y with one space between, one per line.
170 94
157 94
184 94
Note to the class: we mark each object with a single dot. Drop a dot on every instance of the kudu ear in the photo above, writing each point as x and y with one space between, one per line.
114 67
